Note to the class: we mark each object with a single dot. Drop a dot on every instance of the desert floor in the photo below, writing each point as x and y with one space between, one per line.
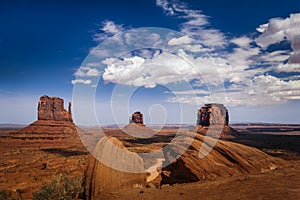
25 165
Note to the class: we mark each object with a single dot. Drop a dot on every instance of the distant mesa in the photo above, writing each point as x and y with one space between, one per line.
213 120
136 127
137 118
213 114
54 122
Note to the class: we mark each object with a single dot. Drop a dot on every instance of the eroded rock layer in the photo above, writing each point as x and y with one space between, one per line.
112 168
212 114
54 122
52 108
137 118
217 158
212 120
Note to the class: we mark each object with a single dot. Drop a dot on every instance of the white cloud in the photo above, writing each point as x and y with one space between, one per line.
196 24
288 68
166 6
108 29
180 41
262 90
243 42
244 69
278 30
262 28
86 82
275 57
85 71
162 69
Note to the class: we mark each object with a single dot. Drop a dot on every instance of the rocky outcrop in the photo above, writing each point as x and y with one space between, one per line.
54 122
212 114
52 108
212 120
112 168
138 131
186 163
137 118
136 127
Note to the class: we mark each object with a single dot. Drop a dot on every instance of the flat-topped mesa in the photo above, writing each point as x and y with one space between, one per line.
213 114
137 118
52 108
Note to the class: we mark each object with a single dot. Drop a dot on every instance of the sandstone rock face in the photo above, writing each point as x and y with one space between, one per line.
118 170
137 117
47 129
52 108
213 114
224 159
136 130
54 122
212 120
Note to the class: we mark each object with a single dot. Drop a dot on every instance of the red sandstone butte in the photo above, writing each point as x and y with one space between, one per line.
212 120
54 121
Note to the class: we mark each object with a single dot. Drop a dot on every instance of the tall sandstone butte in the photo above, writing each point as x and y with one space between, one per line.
137 117
54 121
137 128
213 114
213 120
52 108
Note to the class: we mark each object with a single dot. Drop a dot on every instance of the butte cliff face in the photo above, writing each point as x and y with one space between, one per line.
137 118
213 114
52 108
213 119
54 122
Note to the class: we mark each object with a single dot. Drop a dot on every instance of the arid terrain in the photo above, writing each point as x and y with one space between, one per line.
26 164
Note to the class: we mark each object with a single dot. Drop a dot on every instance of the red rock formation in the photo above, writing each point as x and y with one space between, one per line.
224 159
137 117
102 178
213 114
138 130
54 122
52 108
212 120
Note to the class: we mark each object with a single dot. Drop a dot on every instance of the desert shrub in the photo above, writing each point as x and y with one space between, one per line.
60 188
5 195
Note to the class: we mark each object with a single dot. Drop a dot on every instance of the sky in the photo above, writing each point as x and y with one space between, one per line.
164 58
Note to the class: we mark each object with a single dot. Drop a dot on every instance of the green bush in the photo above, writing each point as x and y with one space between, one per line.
60 188
5 195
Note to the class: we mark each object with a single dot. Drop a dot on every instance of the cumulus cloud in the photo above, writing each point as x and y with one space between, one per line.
278 30
243 66
86 82
162 69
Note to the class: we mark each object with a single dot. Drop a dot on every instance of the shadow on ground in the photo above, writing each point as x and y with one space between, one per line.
64 152
275 145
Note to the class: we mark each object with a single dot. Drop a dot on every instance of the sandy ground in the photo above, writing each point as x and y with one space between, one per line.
278 184
25 165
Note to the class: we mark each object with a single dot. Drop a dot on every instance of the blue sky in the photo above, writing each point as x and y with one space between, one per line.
43 44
